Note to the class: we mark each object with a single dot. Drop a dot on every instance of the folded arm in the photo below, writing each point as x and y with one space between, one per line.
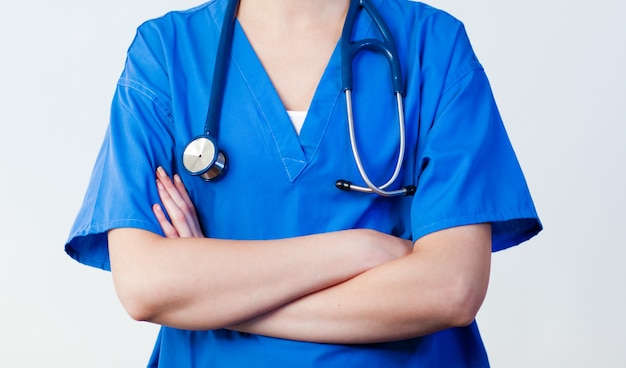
195 283
370 289
441 284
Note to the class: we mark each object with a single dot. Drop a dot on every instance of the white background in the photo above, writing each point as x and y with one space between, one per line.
557 69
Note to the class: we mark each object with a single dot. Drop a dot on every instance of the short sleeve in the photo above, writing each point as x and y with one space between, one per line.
138 139
467 170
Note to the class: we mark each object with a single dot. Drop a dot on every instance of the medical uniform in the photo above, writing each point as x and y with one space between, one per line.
280 184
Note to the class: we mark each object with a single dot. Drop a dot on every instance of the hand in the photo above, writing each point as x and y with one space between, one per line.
183 221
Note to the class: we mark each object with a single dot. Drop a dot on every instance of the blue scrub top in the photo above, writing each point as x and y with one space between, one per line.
282 185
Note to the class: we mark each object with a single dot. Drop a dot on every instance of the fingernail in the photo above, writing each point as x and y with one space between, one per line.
161 171
177 178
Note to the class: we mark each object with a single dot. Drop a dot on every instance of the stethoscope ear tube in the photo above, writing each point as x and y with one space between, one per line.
347 186
386 47
371 187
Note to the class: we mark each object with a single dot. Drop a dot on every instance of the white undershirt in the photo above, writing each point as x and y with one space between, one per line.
297 119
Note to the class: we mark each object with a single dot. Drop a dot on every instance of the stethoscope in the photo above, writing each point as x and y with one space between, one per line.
203 158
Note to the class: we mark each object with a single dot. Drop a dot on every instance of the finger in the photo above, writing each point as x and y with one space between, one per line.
177 216
178 183
171 189
181 202
192 215
168 230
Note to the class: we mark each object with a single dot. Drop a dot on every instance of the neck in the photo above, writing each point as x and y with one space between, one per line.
293 39
293 11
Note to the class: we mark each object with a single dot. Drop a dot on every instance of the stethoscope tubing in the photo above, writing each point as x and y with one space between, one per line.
371 187
350 48
202 157
211 125
387 48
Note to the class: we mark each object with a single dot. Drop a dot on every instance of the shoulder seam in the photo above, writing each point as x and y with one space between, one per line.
472 67
150 94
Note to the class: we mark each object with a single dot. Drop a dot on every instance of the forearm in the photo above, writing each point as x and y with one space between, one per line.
429 290
199 283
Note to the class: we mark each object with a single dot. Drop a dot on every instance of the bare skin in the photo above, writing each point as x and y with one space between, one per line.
310 28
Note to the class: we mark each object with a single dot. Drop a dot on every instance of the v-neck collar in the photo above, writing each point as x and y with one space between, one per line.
295 151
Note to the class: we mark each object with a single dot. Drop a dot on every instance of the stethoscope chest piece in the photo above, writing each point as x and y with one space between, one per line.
201 157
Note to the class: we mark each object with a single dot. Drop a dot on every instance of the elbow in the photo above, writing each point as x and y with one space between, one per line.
464 302
139 292
138 309
464 314
136 301
136 282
